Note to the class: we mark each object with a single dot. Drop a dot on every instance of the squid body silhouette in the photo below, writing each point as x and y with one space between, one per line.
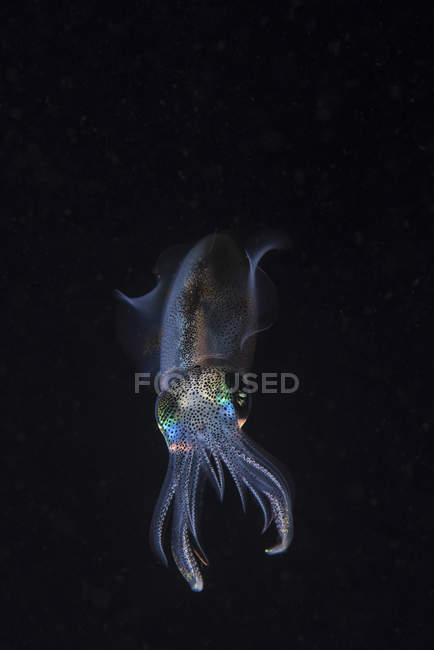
196 329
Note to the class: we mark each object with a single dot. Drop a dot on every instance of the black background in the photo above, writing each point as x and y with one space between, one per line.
126 130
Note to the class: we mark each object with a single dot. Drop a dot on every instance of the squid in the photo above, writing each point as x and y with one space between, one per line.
196 331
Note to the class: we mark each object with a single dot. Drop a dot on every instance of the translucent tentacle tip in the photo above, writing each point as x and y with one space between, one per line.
191 575
197 583
285 540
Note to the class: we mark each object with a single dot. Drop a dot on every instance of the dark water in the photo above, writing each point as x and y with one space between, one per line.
127 130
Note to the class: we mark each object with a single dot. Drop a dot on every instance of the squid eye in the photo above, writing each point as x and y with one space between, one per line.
166 412
242 403
241 398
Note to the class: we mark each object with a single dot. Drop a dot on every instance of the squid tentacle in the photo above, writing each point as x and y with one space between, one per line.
249 468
